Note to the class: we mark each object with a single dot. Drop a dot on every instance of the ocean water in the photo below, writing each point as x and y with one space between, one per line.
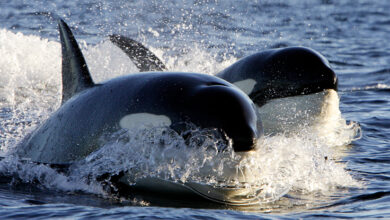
202 36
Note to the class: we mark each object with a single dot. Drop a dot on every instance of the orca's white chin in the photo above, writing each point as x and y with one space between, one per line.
230 195
233 186
288 115
238 186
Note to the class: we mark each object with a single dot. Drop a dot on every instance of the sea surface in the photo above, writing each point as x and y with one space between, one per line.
202 36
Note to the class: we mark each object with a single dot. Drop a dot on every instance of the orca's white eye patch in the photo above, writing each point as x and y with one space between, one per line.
141 120
246 85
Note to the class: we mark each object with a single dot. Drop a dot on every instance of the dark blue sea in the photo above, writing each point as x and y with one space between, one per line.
203 36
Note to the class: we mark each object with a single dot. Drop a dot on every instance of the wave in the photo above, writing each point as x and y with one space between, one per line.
375 87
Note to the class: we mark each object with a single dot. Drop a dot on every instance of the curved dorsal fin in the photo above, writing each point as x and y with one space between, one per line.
141 56
75 74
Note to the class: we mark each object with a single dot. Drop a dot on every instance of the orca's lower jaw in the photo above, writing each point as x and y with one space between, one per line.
161 189
234 185
290 114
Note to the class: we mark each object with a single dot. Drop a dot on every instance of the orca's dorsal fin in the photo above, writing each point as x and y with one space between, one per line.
75 74
141 56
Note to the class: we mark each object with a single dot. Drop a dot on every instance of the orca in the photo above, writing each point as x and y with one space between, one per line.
279 73
174 100
170 99
291 87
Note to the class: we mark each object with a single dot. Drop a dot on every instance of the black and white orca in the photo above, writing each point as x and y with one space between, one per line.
167 99
159 98
292 87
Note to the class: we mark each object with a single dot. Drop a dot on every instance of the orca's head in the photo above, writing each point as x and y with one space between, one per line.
287 72
184 100
225 107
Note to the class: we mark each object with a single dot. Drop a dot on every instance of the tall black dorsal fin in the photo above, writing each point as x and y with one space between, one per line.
141 56
75 74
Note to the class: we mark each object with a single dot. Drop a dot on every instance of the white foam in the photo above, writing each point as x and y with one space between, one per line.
107 61
194 60
28 172
300 162
29 84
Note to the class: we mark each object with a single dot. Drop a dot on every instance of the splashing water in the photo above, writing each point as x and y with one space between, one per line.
30 91
29 84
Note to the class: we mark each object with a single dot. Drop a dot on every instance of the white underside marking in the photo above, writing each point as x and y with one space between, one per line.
246 85
142 120
221 194
286 115
228 195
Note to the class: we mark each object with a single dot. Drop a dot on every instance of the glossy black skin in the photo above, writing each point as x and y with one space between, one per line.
134 50
73 131
282 73
279 73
